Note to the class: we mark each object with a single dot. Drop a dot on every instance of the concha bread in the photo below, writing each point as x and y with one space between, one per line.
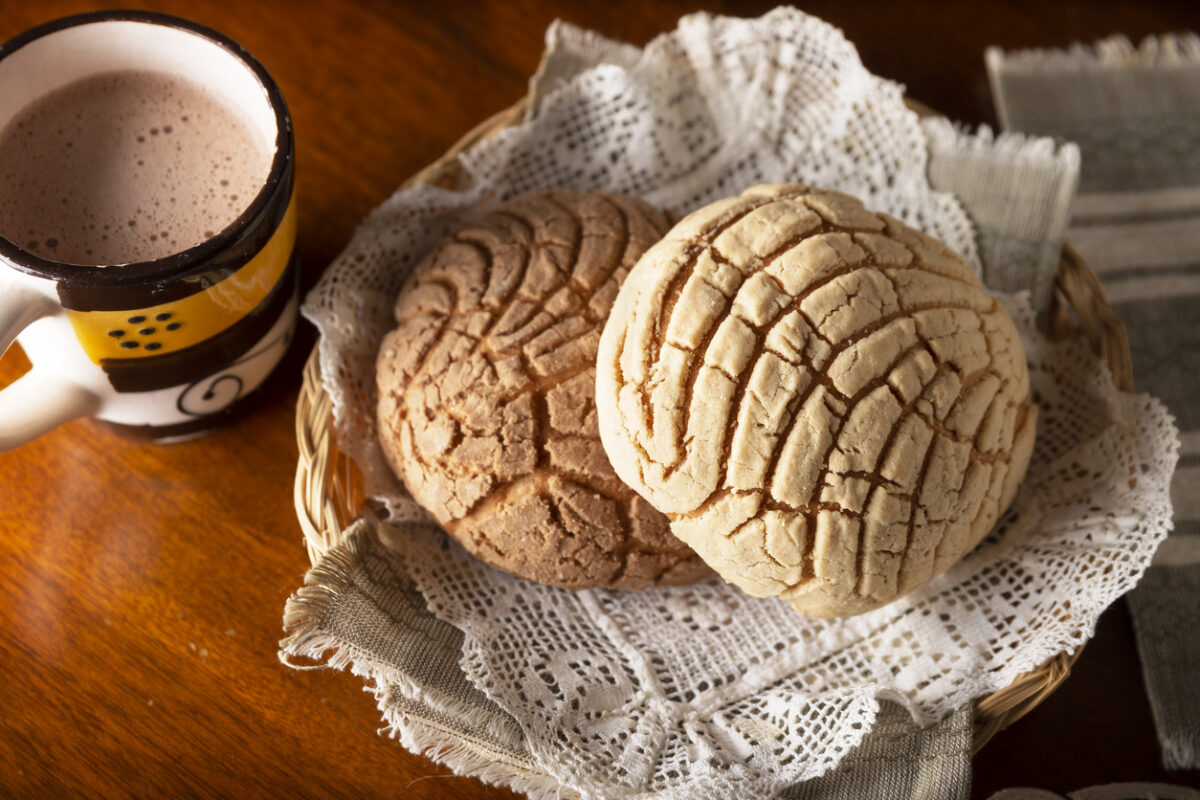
826 403
486 394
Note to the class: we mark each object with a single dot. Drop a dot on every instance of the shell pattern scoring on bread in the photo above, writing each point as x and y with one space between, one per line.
486 394
825 402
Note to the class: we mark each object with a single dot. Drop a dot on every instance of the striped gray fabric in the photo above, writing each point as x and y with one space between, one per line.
1135 114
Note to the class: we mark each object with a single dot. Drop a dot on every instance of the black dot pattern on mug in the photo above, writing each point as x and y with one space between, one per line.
137 337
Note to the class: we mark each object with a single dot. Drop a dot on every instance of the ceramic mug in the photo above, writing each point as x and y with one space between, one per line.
163 349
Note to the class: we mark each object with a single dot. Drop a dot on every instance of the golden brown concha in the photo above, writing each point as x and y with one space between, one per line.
486 394
825 402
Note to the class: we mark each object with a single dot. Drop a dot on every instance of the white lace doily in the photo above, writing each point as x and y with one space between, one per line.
703 691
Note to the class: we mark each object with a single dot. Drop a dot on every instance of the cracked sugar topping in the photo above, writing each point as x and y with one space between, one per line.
825 402
486 394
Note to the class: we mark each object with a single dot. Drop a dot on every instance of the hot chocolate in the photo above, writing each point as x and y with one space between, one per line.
124 167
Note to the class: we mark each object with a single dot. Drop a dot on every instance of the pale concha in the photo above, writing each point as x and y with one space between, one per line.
826 403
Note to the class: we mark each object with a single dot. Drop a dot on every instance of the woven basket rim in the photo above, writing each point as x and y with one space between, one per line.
328 492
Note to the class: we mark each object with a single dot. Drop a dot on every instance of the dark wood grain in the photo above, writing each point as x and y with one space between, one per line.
141 587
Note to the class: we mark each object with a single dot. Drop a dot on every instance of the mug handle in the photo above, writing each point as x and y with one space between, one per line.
37 402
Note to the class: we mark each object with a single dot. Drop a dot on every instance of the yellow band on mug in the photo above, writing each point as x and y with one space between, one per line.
165 328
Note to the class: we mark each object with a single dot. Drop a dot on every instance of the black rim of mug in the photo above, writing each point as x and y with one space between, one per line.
194 259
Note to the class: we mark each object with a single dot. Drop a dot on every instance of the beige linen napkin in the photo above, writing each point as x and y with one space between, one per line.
1135 113
359 610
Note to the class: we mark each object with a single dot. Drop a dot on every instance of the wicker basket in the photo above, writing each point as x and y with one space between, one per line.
328 493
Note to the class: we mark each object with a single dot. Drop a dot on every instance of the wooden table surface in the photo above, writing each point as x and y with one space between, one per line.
142 586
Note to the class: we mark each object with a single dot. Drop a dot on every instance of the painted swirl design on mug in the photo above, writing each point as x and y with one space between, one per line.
215 393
